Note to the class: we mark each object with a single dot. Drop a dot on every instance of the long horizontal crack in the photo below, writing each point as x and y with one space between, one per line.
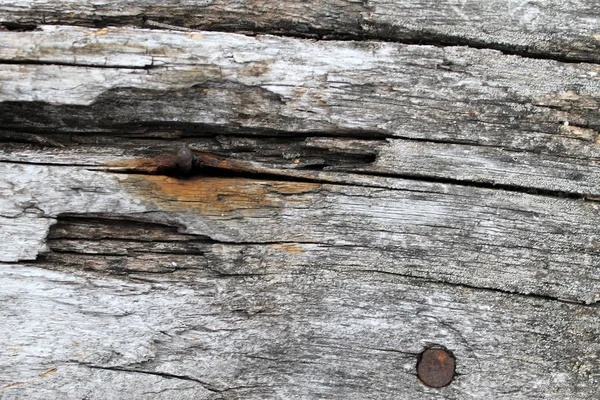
437 41
473 287
419 38
212 241
483 185
275 176
450 41
295 175
272 176
74 64
412 38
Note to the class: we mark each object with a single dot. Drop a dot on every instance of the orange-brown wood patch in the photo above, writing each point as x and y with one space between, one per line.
217 196
145 164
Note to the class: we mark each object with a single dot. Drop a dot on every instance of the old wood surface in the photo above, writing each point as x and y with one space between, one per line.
457 113
353 202
562 29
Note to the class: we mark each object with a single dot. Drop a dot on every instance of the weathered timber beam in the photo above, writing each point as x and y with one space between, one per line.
348 205
471 116
486 238
559 29
265 330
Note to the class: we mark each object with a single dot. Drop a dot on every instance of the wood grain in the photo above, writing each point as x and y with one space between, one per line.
432 182
255 333
485 238
472 116
553 29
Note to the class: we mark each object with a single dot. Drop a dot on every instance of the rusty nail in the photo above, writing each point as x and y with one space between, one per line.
185 160
435 367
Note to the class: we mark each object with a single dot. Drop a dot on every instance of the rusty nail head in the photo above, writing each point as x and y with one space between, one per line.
435 367
185 160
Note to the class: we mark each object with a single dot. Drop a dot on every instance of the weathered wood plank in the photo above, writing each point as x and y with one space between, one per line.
462 114
550 29
478 237
352 203
273 333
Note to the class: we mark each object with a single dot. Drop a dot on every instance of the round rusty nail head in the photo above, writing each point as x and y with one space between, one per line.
436 368
185 160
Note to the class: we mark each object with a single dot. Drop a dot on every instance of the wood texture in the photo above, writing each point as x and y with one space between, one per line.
351 204
258 334
462 114
477 237
559 29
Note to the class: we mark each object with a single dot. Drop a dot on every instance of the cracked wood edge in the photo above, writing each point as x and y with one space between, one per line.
458 113
513 242
553 29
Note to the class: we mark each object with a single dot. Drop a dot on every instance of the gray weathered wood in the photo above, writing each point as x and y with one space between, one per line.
352 203
478 237
555 28
462 114
256 333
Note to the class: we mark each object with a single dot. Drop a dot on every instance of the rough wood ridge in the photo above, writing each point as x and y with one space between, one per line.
371 179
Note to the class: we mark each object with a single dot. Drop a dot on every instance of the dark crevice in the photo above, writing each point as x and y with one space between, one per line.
437 40
53 247
118 227
358 30
467 286
100 224
68 64
18 27
385 33
200 240
111 253
482 185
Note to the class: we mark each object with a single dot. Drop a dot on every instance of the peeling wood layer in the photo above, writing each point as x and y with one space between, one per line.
565 30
